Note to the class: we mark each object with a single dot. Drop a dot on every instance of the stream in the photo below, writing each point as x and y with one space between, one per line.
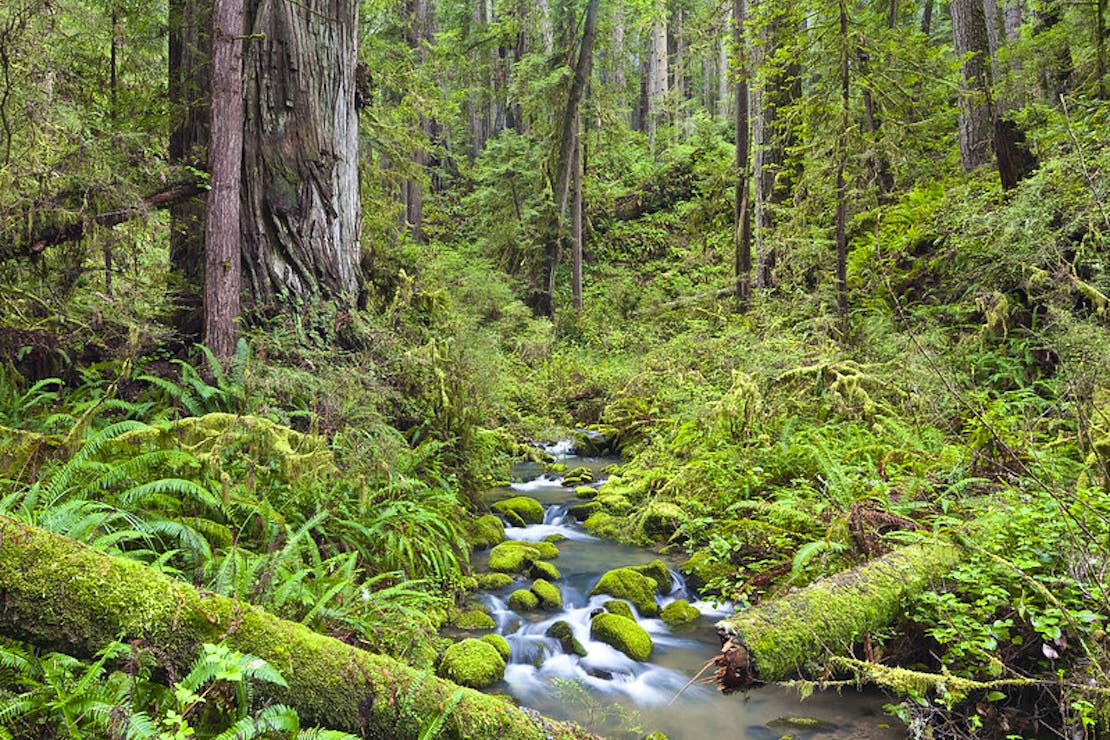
611 693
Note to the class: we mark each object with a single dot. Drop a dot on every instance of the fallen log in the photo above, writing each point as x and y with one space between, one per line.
777 639
62 595
75 230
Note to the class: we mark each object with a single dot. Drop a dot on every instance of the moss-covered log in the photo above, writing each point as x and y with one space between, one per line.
65 596
777 639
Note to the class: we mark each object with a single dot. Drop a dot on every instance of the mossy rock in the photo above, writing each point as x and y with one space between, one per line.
564 633
593 442
679 614
475 619
627 584
556 467
486 531
494 581
810 724
523 600
468 583
614 503
623 634
514 556
500 643
473 663
656 736
616 606
548 594
585 492
544 569
702 569
525 508
660 520
582 511
555 538
578 476
657 571
605 525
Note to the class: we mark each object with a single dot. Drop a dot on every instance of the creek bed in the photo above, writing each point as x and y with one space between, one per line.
608 691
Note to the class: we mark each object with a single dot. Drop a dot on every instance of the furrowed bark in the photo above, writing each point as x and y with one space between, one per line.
775 640
62 595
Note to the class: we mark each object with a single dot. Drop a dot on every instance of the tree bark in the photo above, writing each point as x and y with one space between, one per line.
657 72
576 224
776 639
300 158
841 181
976 116
222 275
62 595
741 214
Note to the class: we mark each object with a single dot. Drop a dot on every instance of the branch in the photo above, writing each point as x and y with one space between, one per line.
74 231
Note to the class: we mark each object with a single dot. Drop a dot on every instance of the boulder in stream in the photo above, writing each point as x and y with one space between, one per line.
486 531
622 633
578 476
494 581
523 600
657 571
659 520
544 569
475 619
500 643
473 663
583 510
627 584
616 606
549 595
564 633
515 556
679 614
520 510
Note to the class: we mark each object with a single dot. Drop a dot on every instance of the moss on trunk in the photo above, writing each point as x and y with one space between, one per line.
777 639
62 595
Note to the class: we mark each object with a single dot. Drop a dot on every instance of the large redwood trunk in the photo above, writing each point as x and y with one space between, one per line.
300 159
976 122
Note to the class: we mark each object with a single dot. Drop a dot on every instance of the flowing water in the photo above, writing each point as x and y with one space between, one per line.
609 692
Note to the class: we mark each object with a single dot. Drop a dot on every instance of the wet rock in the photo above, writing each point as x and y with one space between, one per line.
604 525
548 595
627 584
473 663
585 492
486 531
564 633
514 556
615 606
800 723
544 569
523 600
679 614
578 476
623 634
475 619
702 568
660 520
494 581
524 508
583 511
657 571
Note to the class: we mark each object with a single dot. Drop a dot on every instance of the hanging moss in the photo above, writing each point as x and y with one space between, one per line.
61 595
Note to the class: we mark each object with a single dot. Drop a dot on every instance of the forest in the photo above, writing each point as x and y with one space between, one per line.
554 369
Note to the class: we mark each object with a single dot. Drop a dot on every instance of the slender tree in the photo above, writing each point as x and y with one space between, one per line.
222 276
742 221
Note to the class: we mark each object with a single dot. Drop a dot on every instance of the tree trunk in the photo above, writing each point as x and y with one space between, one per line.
976 117
1100 48
776 639
61 595
771 133
927 18
657 72
300 158
190 49
741 213
576 218
222 274
841 165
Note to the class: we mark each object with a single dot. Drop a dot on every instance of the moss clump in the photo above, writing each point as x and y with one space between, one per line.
627 584
524 508
585 492
702 569
555 538
486 531
523 600
564 633
577 477
659 521
657 571
475 619
544 569
604 525
514 556
549 595
679 614
623 634
494 581
616 606
500 644
473 663
614 503
583 511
